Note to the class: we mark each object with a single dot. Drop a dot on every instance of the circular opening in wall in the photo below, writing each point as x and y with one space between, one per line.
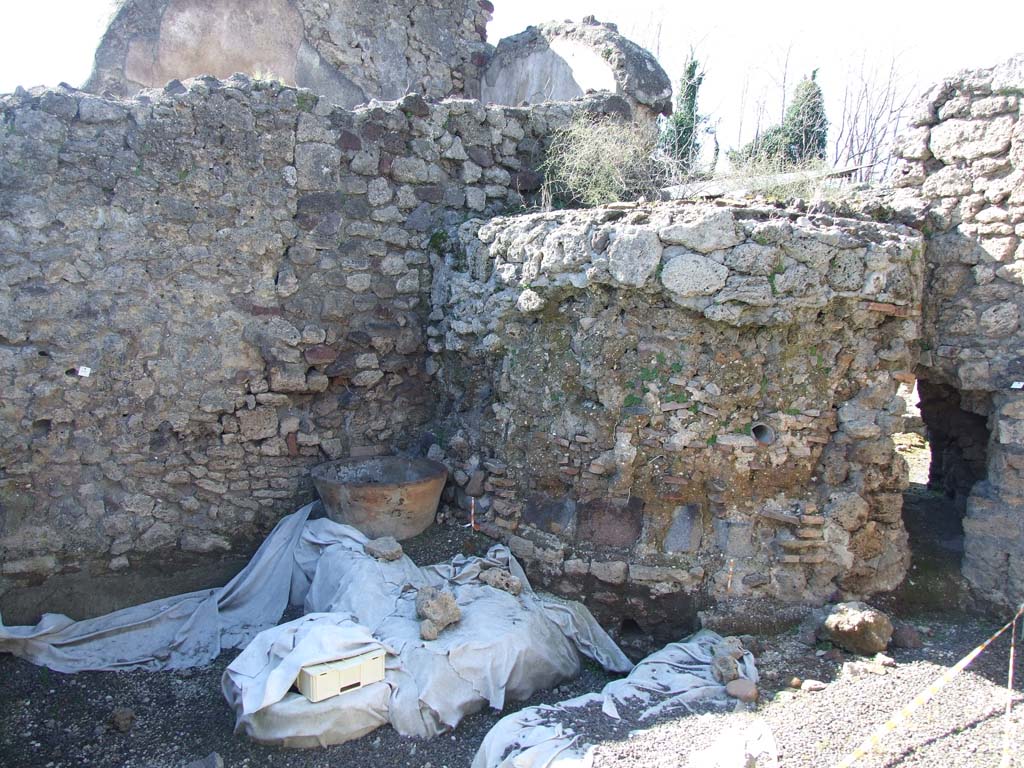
764 434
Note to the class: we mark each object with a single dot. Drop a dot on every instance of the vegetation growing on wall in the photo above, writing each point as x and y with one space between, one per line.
598 160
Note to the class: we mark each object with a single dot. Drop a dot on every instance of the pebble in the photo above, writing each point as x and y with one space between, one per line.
122 719
813 685
742 689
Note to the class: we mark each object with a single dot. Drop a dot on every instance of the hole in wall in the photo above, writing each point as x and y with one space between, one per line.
956 426
764 434
629 629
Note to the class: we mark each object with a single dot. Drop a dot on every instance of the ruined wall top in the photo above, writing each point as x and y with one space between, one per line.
348 50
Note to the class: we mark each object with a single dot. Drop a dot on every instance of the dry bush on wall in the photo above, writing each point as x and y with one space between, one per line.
598 160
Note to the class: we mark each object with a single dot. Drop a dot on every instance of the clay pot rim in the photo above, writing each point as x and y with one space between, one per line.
432 471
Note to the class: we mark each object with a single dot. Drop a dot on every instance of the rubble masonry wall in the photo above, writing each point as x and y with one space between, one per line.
245 270
964 155
658 404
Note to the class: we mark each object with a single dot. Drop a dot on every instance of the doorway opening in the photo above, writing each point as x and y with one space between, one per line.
945 445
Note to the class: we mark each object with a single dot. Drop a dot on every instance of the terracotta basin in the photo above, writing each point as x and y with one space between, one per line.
382 495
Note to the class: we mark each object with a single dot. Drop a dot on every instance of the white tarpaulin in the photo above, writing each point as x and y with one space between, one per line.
504 648
677 676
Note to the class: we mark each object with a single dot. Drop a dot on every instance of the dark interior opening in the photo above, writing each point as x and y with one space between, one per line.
956 426
945 446
631 637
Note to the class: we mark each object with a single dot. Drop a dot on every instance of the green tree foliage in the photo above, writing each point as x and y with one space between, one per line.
806 123
802 137
681 138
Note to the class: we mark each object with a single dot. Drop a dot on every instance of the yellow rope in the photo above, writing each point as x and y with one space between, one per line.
1005 762
902 715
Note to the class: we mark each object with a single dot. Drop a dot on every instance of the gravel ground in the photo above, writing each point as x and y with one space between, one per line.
962 726
51 720
58 721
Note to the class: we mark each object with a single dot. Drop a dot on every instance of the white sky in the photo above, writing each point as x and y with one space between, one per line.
740 42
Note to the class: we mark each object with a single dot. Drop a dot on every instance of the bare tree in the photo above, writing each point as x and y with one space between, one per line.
874 103
743 108
782 78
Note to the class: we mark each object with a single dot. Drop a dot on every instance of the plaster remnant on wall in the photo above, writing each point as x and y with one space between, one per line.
348 51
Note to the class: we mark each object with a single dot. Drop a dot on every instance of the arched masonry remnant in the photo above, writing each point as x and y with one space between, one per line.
554 62
964 157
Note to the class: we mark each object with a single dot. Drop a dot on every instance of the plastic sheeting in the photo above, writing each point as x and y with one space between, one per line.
504 648
187 630
677 676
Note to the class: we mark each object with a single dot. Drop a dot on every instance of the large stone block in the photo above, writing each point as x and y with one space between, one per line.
687 274
711 230
685 532
633 255
606 523
958 140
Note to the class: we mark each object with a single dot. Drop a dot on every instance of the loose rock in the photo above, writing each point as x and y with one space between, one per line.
501 579
858 628
121 719
724 668
742 689
438 610
905 636
384 548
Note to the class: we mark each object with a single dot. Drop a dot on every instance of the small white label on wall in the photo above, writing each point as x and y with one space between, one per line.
1017 385
84 371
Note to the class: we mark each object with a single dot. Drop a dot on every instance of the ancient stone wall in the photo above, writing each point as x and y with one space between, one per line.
964 156
347 50
244 270
656 405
